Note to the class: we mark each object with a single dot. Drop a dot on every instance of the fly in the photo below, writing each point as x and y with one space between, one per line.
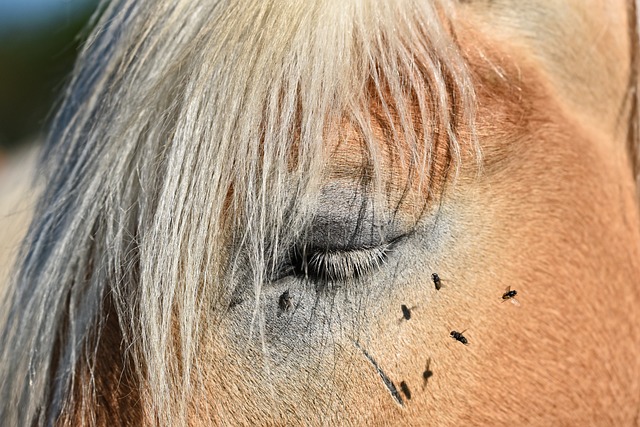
509 295
436 281
459 337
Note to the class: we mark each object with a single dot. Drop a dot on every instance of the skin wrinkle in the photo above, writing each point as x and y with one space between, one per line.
347 217
553 214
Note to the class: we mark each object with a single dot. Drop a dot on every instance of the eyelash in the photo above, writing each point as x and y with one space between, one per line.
333 265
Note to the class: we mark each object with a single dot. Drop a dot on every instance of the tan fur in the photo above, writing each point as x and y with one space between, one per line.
545 220
551 211
556 194
553 215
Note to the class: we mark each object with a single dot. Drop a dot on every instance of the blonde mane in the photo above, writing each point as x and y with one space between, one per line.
191 132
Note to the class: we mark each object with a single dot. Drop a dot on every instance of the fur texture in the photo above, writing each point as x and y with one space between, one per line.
203 147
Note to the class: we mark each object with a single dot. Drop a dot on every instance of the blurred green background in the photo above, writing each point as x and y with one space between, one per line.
39 40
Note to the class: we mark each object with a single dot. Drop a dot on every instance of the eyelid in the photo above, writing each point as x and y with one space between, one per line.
338 265
347 217
333 264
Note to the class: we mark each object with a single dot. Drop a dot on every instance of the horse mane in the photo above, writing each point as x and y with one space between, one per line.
191 131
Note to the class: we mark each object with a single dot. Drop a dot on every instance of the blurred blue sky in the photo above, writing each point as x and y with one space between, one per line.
24 15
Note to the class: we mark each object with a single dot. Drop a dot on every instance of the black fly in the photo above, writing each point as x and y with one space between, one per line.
405 390
428 373
436 281
284 302
406 312
459 337
509 295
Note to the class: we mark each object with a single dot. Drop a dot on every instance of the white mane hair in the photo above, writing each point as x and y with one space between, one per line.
192 130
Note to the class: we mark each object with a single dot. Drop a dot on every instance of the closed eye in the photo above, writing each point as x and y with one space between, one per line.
335 265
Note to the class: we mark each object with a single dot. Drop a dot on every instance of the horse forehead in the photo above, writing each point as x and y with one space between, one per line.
503 37
583 47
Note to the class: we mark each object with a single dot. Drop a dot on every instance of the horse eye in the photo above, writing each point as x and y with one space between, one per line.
335 265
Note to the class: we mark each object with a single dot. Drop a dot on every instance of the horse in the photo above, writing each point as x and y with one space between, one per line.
243 207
